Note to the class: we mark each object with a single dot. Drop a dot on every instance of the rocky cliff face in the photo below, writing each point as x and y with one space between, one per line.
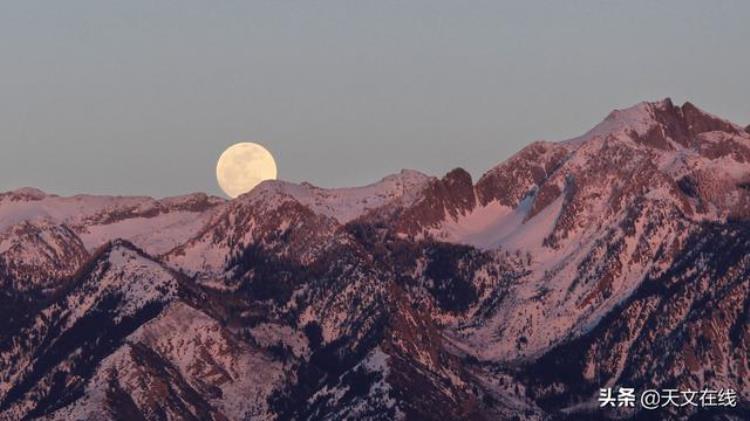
616 258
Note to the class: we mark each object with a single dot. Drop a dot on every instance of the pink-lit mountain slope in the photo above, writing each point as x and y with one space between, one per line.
620 257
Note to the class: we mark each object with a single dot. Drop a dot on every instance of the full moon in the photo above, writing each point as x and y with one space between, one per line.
243 166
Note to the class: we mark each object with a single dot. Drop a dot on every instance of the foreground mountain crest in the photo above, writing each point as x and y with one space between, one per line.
616 258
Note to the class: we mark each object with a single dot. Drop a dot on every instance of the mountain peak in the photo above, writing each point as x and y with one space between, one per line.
407 175
113 251
458 175
120 244
344 203
699 121
25 193
659 124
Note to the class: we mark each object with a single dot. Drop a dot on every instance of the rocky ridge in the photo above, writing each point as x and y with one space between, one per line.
615 258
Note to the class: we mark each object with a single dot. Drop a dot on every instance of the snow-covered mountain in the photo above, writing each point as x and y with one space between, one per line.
620 257
157 226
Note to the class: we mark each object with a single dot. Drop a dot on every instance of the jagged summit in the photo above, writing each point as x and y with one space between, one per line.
660 124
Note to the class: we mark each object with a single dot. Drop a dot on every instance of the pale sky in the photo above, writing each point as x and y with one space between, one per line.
141 97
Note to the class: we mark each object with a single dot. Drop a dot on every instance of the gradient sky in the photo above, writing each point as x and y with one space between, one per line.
141 97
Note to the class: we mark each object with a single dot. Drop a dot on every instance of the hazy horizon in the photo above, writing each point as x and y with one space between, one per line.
142 98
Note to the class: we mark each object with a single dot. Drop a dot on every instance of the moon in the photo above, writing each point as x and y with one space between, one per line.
243 166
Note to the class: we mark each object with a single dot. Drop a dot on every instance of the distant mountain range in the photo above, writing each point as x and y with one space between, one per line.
618 258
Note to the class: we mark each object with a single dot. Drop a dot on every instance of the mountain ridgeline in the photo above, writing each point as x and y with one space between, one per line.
618 258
